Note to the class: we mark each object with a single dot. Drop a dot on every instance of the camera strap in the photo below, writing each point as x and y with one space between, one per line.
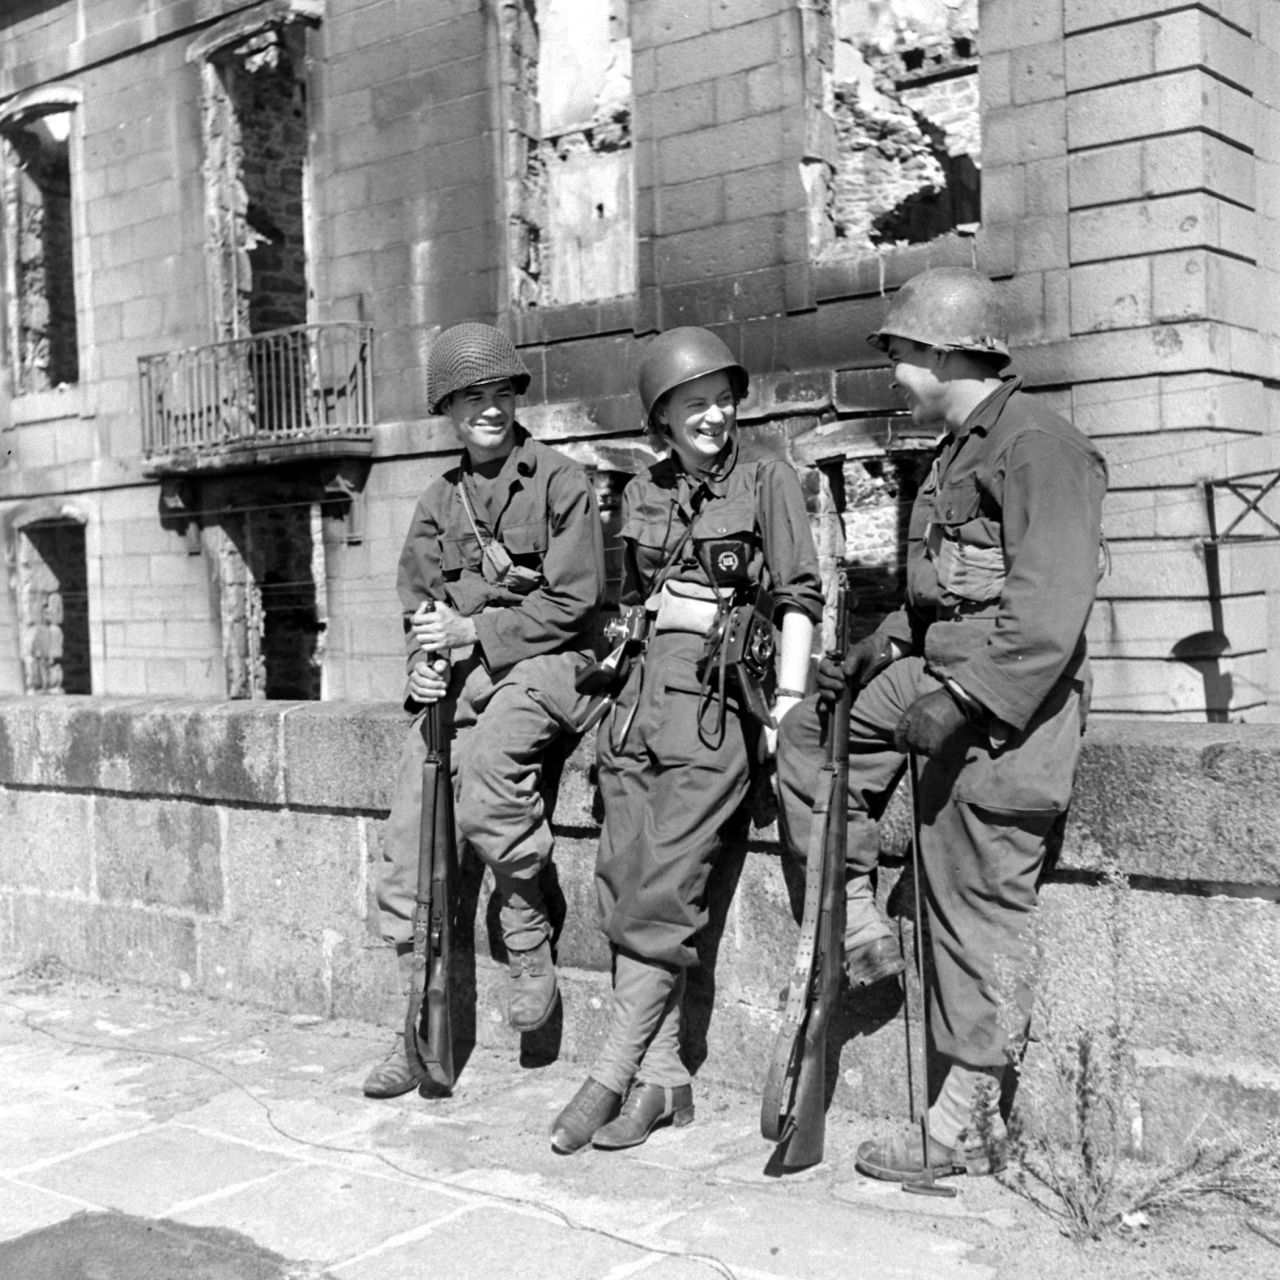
668 566
635 665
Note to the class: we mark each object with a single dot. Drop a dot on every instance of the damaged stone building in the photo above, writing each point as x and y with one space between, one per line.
230 230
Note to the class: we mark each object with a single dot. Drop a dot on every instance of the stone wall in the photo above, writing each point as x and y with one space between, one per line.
232 849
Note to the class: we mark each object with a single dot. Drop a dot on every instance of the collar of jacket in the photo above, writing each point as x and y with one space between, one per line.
522 460
715 480
986 414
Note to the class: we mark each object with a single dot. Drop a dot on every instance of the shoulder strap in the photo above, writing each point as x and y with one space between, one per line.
668 565
482 538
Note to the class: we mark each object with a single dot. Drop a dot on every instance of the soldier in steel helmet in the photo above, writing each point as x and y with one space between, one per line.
982 673
719 562
507 548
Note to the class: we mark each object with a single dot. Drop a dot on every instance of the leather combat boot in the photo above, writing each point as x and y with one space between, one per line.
592 1106
900 1159
873 962
395 1074
532 989
646 1106
863 966
870 952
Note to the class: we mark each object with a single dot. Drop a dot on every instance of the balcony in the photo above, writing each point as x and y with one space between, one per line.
285 396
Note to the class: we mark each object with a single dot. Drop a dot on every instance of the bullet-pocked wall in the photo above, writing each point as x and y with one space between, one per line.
585 174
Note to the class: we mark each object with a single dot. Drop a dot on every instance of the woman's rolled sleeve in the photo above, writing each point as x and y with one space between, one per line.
788 542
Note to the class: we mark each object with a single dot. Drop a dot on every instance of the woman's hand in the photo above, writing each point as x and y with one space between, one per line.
780 708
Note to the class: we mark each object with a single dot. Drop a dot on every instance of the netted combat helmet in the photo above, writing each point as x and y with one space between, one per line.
955 308
680 355
470 353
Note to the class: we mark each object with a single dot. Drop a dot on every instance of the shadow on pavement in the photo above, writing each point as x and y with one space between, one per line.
118 1246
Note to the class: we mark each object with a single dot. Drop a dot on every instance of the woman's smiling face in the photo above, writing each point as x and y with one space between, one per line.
699 417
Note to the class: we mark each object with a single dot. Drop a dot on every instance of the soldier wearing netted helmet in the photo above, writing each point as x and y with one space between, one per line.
500 579
982 674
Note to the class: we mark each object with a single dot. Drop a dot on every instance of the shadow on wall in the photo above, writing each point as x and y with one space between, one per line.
1202 652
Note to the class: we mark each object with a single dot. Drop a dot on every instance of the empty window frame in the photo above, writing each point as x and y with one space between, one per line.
50 581
570 160
36 195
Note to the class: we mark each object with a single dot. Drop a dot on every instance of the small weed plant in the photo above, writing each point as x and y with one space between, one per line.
44 968
1076 1133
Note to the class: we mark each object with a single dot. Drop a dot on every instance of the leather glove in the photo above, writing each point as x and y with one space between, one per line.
929 722
863 662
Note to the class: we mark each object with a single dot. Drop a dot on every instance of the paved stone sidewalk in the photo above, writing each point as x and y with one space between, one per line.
218 1142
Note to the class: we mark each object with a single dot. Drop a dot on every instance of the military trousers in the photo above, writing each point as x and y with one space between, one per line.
502 729
989 816
672 771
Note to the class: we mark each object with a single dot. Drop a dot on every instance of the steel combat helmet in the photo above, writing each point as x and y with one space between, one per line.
470 353
680 355
955 308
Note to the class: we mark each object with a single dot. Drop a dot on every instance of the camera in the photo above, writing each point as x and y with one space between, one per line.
742 645
631 626
627 634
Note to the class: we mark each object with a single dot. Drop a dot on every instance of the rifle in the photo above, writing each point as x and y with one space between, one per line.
793 1113
433 915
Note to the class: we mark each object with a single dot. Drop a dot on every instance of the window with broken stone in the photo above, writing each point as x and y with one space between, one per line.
894 123
35 191
570 184
49 578
255 157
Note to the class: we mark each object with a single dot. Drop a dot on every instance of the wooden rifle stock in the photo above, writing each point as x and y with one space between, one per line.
793 1113
428 1030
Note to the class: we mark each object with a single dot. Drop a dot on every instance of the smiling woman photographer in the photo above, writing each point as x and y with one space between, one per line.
721 577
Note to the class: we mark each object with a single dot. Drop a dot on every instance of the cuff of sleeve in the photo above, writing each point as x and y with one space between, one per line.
487 641
970 705
896 630
1002 708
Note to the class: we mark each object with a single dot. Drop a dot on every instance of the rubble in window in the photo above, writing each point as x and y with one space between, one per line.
255 155
898 154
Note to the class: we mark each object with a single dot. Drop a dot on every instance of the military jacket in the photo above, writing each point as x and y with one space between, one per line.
752 497
543 511
1004 554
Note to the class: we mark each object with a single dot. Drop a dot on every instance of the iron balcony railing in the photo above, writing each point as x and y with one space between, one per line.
309 382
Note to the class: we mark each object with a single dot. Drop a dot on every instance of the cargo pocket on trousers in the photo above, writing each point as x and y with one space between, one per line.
690 722
1036 768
